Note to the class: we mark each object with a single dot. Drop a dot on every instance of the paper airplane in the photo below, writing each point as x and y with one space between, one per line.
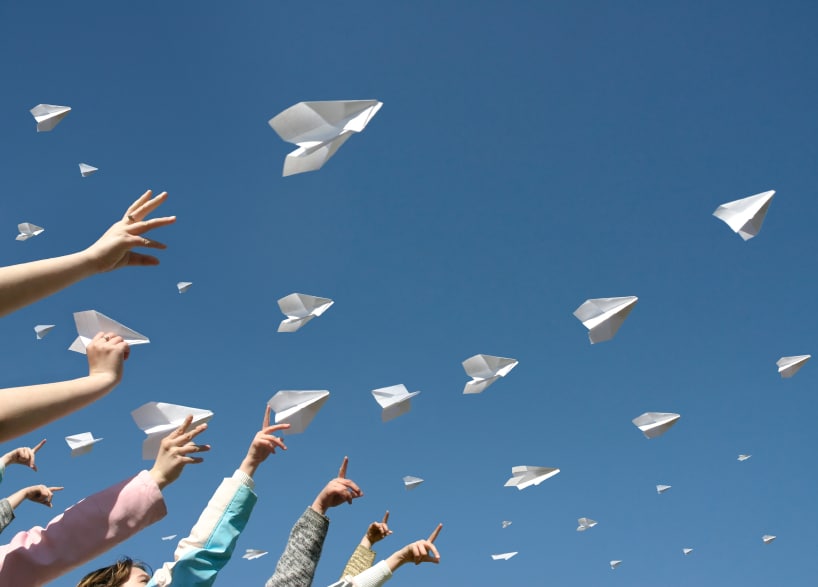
743 457
525 476
183 286
767 538
485 370
411 482
169 537
505 556
86 170
615 564
686 551
81 444
252 553
660 489
395 400
90 322
603 316
300 309
585 523
48 115
158 419
319 129
506 523
789 366
42 329
27 230
653 424
745 216
297 408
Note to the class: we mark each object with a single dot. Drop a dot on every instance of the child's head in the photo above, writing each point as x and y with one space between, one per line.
123 573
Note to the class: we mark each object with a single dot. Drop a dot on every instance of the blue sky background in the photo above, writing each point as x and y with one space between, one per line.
528 156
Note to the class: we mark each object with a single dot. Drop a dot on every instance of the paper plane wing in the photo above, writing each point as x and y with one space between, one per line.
297 408
48 115
485 370
604 316
158 419
89 322
789 366
81 444
525 476
86 170
411 482
653 424
745 216
183 286
504 556
42 329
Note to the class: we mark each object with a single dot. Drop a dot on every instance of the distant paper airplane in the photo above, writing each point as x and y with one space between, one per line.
686 551
158 419
660 489
411 482
653 424
767 538
506 523
319 129
743 457
183 286
745 216
297 408
252 554
585 523
90 322
505 556
42 329
395 400
615 564
86 170
603 316
169 537
81 444
525 476
789 366
48 115
485 370
27 230
300 309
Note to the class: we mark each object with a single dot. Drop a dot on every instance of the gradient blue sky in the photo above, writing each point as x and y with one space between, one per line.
528 156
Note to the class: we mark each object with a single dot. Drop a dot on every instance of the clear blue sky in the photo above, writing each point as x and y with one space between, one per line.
528 156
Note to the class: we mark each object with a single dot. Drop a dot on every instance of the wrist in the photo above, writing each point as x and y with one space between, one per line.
159 477
105 381
366 543
395 560
318 507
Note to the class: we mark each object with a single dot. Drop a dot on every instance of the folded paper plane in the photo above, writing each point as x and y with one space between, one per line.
395 400
81 444
42 329
767 538
615 564
743 457
745 216
169 537
90 322
653 424
252 554
297 408
300 309
585 523
506 523
686 551
526 476
27 230
183 286
485 370
86 170
789 366
48 115
319 129
505 556
603 316
660 489
158 419
411 482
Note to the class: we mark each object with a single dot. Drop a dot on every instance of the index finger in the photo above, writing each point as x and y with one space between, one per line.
385 517
342 472
266 423
56 488
184 426
39 445
434 534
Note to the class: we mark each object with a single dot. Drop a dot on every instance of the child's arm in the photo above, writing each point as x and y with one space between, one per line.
363 556
36 493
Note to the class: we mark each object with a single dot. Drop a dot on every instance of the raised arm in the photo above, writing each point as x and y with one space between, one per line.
363 556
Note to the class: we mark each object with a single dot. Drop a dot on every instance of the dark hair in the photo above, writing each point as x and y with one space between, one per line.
114 575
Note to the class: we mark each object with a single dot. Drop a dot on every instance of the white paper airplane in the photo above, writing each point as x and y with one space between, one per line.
90 322
506 523
743 457
27 230
300 309
525 476
485 370
319 129
86 170
252 554
411 482
42 329
158 419
183 286
789 366
615 564
394 400
686 551
81 444
297 408
745 216
767 538
169 537
660 489
48 115
585 523
603 316
505 556
653 424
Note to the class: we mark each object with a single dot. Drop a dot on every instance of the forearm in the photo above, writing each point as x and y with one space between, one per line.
361 559
27 408
16 498
6 514
26 283
297 564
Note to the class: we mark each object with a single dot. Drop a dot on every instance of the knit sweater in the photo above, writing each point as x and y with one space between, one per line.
296 567
362 558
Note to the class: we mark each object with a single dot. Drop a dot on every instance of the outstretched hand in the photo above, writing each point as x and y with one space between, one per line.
41 494
337 491
106 354
23 455
421 551
263 444
174 453
113 249
377 531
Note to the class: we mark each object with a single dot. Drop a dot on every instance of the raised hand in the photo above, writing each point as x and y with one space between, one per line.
263 444
174 453
41 494
421 551
337 491
106 354
23 456
377 531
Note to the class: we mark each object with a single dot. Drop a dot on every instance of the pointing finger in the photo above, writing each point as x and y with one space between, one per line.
385 517
434 534
342 472
266 422
39 445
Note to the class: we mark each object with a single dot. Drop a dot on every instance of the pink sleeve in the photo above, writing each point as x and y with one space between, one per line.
81 533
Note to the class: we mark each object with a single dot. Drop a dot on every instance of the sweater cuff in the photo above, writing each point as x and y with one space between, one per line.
373 576
244 479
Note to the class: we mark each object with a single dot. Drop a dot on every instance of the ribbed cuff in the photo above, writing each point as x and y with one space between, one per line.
373 576
244 479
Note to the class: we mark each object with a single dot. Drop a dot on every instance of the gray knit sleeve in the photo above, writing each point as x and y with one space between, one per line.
296 567
6 514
